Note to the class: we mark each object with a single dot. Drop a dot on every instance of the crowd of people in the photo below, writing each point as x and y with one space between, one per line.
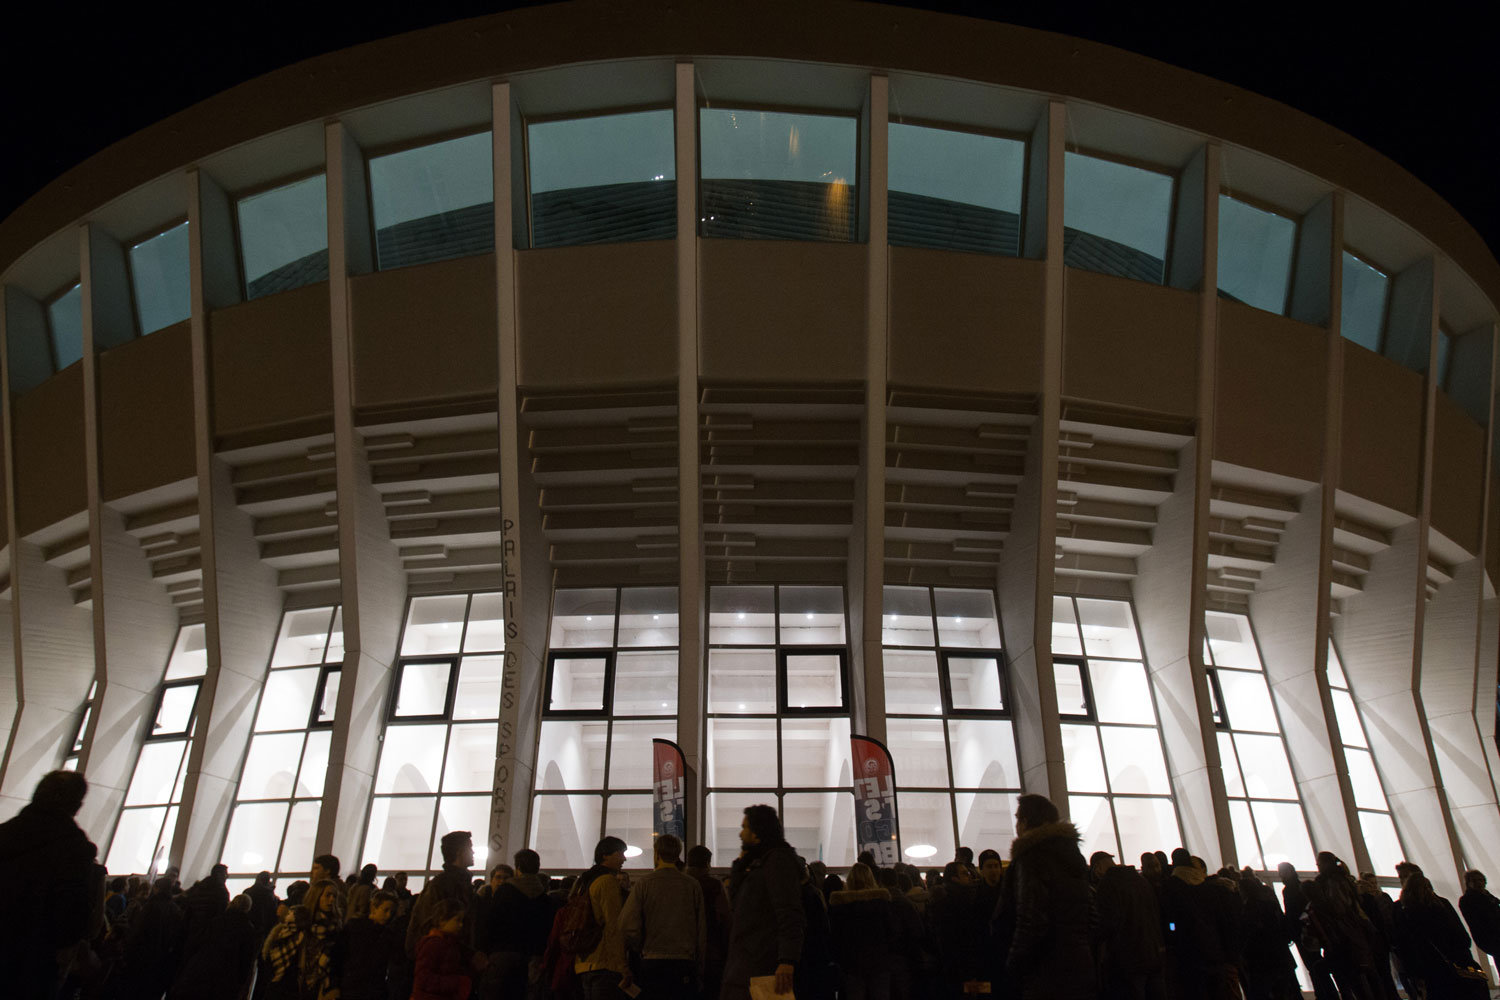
1043 925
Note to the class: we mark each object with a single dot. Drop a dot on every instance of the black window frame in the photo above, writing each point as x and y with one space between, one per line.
1091 712
606 698
196 683
945 682
452 659
784 653
1216 701
313 722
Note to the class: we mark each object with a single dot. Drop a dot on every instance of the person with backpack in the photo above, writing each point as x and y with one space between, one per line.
588 928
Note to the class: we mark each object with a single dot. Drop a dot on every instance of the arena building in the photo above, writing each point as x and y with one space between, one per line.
401 441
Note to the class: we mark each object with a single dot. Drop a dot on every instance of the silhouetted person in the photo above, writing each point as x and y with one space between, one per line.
220 967
1050 906
51 877
765 894
717 914
1432 942
1131 952
1481 912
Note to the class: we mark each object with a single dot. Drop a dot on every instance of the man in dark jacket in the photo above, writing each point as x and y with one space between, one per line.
716 911
201 905
50 872
1047 901
1294 902
263 903
1481 912
220 967
513 927
1130 946
766 938
453 882
959 930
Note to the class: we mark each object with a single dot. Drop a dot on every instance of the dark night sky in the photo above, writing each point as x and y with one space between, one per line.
1424 93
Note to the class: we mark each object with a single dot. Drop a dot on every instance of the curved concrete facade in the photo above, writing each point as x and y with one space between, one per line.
702 410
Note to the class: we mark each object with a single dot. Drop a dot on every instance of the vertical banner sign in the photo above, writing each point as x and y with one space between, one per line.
875 825
668 790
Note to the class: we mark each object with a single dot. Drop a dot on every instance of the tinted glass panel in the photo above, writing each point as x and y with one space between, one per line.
1255 254
1115 217
284 237
433 202
776 175
605 179
159 276
955 190
1362 313
65 320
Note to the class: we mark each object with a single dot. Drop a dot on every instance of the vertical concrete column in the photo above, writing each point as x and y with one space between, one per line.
241 602
373 581
54 667
692 649
1028 561
1291 626
1450 665
1378 642
57 635
134 621
1168 576
1487 676
877 351
1171 580
22 323
524 556
1320 268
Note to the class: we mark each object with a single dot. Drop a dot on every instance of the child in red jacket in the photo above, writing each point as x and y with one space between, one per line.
441 973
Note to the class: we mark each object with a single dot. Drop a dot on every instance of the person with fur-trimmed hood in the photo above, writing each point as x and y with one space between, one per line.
863 926
1048 907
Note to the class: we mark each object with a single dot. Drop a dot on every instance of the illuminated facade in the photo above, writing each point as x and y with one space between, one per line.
740 393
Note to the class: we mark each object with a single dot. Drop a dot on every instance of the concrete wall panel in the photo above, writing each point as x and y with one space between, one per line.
965 321
782 311
1130 343
425 334
596 314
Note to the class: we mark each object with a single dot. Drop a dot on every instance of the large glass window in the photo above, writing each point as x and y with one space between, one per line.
948 720
611 690
1375 820
955 190
284 237
1362 309
65 326
433 202
778 717
602 179
1264 806
149 816
1119 793
1255 254
159 278
281 785
777 175
1116 217
437 757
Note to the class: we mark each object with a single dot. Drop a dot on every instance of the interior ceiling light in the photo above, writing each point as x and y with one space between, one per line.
921 851
631 851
